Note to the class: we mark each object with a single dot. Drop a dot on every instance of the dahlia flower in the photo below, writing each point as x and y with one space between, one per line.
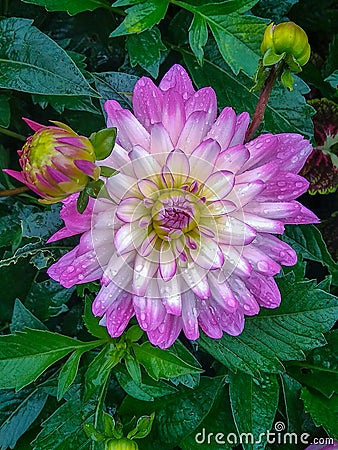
185 237
55 162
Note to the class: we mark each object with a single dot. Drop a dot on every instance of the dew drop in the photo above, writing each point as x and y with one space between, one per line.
80 276
262 265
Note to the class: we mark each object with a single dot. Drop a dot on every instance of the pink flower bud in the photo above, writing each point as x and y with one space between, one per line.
55 162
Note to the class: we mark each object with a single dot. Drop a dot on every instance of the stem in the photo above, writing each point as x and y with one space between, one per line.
15 191
262 101
12 134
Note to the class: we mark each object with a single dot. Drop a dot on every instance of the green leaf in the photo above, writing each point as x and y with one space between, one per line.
103 142
71 6
323 411
277 335
82 201
142 17
254 405
27 62
333 79
24 356
134 369
238 37
162 363
22 318
47 299
198 36
5 110
92 322
274 10
190 379
64 428
68 372
115 86
147 390
24 409
176 415
99 369
285 112
218 421
320 370
146 49
307 241
293 405
10 232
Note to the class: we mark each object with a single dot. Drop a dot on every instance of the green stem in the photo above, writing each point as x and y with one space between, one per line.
12 134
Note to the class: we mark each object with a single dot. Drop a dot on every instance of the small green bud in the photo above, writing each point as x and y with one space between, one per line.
286 38
121 444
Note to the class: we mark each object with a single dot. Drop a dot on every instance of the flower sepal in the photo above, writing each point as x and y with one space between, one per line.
103 142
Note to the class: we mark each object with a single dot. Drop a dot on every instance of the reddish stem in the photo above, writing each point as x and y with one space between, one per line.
262 102
15 191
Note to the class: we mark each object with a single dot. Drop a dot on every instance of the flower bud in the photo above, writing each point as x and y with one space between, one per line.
121 444
288 38
55 162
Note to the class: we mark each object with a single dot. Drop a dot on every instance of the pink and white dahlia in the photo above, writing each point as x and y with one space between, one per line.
185 238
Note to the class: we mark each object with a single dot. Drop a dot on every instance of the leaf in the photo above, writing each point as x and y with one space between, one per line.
22 318
103 142
146 49
254 405
176 415
142 17
147 390
285 112
333 79
23 413
161 363
198 37
190 379
274 10
5 110
71 6
307 240
10 232
219 422
238 37
323 411
115 86
47 299
68 372
64 428
320 370
92 322
277 335
293 405
99 369
27 62
24 356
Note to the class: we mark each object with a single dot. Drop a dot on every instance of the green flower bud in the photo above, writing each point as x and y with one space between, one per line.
121 444
286 38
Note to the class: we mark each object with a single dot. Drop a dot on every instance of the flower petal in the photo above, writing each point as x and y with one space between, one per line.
167 261
292 151
173 114
119 314
202 160
218 185
241 126
147 102
130 131
194 131
167 332
150 312
224 128
178 80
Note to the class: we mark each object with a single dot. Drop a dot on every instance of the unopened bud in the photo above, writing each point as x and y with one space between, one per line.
55 162
286 38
